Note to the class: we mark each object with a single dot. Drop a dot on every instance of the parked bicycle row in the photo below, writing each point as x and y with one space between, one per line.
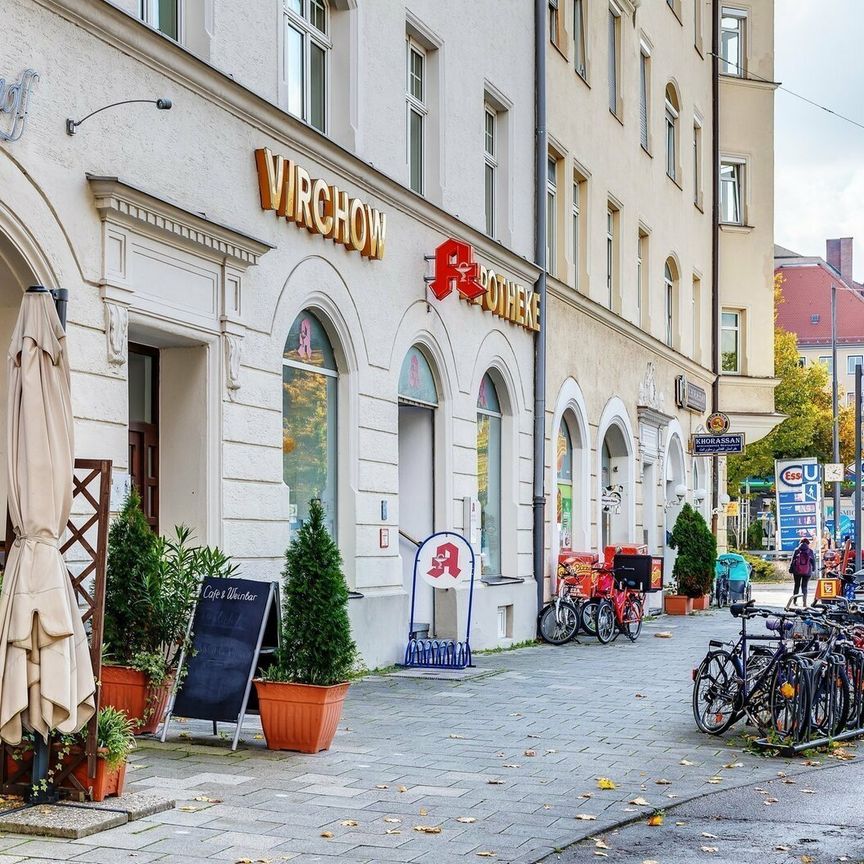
798 681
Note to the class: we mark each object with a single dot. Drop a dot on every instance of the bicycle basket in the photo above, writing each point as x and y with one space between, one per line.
633 572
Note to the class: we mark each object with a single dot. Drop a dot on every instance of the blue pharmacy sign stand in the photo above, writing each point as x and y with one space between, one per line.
799 502
443 560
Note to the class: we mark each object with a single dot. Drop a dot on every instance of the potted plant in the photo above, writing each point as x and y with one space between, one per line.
152 587
302 694
693 572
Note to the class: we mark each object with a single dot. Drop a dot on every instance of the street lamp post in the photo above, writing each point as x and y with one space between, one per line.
858 375
836 424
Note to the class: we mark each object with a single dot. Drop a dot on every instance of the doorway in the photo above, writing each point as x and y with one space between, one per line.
144 428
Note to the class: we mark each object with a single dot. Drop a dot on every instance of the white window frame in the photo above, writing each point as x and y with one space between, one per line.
418 106
488 412
826 361
149 14
696 314
739 70
301 22
737 330
850 366
551 213
490 165
640 275
669 304
610 254
739 175
671 126
580 58
645 97
576 213
554 22
614 60
697 161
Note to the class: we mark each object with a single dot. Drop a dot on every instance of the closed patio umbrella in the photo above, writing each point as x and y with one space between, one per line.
46 678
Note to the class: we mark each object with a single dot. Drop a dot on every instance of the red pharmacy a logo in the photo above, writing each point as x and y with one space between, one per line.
446 558
455 267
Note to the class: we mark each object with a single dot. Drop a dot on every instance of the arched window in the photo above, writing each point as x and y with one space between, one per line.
672 110
564 475
416 381
309 416
670 285
489 476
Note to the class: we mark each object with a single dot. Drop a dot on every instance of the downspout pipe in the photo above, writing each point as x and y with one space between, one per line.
715 246
540 156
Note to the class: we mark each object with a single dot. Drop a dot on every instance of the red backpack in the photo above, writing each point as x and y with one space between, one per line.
800 565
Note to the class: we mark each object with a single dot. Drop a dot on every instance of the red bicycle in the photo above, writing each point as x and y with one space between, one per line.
620 603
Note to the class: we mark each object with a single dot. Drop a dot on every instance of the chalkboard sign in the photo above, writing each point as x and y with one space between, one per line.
227 632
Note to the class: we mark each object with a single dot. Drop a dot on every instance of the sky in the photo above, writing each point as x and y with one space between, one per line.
819 159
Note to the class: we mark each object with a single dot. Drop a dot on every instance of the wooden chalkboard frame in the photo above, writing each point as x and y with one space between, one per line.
271 595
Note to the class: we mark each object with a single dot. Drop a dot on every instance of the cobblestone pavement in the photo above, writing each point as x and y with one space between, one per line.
502 763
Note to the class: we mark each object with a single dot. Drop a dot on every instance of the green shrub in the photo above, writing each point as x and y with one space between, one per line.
755 533
763 571
731 540
317 647
697 553
115 735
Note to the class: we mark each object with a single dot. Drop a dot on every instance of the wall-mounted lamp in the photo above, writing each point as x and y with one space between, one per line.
723 501
680 495
161 104
699 496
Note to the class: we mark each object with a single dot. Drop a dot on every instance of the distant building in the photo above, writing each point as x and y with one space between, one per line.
806 310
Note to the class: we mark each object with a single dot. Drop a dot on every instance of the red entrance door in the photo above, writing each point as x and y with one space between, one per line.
144 428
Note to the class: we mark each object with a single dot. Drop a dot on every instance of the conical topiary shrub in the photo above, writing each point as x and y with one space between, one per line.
697 553
301 695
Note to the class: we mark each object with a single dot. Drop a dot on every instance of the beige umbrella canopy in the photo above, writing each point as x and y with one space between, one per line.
46 678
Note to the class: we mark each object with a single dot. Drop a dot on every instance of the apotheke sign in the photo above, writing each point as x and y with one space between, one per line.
320 208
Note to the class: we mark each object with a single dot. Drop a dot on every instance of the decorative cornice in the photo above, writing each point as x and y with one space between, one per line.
652 416
117 201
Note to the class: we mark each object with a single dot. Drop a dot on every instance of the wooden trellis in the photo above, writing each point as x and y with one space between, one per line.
86 549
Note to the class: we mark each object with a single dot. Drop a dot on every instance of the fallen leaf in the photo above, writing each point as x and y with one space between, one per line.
392 820
586 795
600 854
423 811
207 800
631 810
510 765
715 780
349 823
789 781
188 809
485 854
495 782
243 861
466 820
709 836
781 848
807 791
770 801
650 861
403 788
709 848
515 714
326 834
663 634
680 824
381 786
500 755
600 843
392 831
734 765
686 762
760 789
655 820
640 695
258 737
428 829
455 736
585 817
806 859
781 773
549 750
640 802
530 753
811 762
663 782
606 783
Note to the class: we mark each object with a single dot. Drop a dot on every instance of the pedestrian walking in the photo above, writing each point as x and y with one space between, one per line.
802 566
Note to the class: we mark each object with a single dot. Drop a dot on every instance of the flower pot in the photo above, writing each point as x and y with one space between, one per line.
16 760
129 690
105 784
677 604
299 717
702 603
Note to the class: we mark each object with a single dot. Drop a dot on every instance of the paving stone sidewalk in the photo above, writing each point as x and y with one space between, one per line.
501 763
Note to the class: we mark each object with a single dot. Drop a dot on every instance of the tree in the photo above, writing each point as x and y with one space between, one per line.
317 647
804 396
697 553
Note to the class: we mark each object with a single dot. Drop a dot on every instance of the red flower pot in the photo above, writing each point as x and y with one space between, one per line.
105 784
299 717
129 690
677 604
702 603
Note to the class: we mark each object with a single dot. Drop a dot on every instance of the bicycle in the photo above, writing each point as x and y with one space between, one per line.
722 591
571 607
620 605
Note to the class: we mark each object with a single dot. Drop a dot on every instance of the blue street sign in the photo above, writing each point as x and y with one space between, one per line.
717 445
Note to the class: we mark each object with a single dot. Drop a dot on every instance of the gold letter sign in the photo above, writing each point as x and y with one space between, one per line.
289 190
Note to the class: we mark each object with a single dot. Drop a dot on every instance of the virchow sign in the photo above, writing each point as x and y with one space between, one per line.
455 268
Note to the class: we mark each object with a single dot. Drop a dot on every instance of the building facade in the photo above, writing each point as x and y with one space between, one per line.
632 285
313 276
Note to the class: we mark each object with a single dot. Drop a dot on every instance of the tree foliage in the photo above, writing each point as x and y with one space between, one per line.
317 647
804 396
697 553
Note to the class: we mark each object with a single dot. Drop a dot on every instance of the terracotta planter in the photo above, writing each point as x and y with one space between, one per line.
702 603
105 784
299 717
14 765
129 690
677 604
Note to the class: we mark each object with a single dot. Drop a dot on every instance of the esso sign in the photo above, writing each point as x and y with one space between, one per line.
793 475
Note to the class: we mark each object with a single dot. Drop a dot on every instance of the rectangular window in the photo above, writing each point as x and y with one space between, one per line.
611 254
614 61
669 305
579 39
162 15
304 65
416 105
802 361
827 361
730 342
641 243
576 235
671 129
554 22
697 319
730 192
850 399
852 361
551 214
733 32
697 24
697 163
491 167
644 91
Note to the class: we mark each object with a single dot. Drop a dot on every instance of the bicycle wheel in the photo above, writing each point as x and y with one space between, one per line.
717 692
605 622
631 618
588 614
558 623
790 698
829 707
